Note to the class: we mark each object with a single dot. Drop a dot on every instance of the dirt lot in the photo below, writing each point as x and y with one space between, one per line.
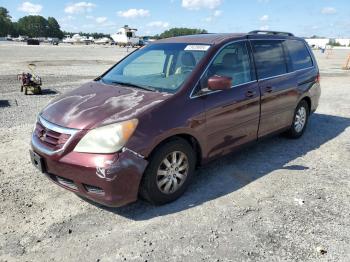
279 200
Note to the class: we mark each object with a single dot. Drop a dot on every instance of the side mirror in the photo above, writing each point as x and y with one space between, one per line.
219 82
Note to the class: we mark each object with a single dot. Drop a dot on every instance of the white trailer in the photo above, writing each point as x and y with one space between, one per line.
78 39
102 41
126 36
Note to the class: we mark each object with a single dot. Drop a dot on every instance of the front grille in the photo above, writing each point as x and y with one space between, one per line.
94 189
66 182
51 139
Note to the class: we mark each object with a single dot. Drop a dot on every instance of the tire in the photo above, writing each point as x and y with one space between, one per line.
297 128
158 175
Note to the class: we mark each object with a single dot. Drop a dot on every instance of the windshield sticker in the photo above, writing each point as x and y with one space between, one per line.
197 47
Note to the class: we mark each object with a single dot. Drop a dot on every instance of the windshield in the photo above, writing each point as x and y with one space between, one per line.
157 67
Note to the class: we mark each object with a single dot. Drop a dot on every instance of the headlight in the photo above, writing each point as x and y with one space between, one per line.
107 139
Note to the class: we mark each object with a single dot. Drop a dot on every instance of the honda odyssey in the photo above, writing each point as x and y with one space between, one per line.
143 127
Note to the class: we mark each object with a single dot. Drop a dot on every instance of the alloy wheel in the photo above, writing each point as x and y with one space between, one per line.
300 119
172 172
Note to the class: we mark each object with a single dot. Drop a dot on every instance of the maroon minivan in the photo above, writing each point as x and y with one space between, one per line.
144 126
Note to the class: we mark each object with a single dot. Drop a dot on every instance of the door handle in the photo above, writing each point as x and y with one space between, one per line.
250 93
268 89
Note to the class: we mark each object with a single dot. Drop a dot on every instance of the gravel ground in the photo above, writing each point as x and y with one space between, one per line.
279 200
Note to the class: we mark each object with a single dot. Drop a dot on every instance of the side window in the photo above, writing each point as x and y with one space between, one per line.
151 63
299 55
232 61
269 58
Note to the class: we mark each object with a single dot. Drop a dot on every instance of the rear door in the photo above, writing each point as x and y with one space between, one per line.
277 84
232 116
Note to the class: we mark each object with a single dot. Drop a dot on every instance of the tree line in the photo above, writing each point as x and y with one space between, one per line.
35 26
31 26
180 31
39 26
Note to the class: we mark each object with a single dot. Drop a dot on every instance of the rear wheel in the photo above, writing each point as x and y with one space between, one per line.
169 172
301 117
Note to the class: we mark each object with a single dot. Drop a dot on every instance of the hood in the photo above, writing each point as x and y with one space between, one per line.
95 104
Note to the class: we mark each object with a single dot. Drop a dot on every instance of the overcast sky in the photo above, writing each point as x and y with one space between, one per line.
302 17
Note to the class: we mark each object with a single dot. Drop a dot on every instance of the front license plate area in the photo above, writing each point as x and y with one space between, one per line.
37 161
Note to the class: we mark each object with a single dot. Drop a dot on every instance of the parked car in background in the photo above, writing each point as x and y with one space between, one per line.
143 127
32 41
144 41
52 40
20 38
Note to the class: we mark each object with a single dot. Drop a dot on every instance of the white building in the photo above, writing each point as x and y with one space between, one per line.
317 42
343 41
323 42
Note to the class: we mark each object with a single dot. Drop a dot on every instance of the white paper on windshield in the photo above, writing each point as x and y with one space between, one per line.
197 47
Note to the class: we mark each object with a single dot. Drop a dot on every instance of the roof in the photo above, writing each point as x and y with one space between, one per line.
201 38
211 39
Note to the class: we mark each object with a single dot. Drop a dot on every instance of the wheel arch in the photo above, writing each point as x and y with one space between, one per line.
308 101
194 143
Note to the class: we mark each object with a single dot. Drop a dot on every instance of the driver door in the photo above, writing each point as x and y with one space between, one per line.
232 116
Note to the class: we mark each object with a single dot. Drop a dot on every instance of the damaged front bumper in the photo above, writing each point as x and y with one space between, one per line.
109 179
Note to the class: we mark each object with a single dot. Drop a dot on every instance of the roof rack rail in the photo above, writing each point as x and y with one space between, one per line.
265 32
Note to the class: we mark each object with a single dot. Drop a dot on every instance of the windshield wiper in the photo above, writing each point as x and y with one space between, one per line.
134 85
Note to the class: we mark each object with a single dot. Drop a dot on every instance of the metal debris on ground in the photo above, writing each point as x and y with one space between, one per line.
321 250
30 81
299 201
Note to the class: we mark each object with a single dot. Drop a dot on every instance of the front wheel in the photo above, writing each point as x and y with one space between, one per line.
301 117
169 172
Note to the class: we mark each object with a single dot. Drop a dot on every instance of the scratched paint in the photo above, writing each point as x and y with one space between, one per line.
128 159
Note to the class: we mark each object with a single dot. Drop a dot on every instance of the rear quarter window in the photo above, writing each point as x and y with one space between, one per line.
299 54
